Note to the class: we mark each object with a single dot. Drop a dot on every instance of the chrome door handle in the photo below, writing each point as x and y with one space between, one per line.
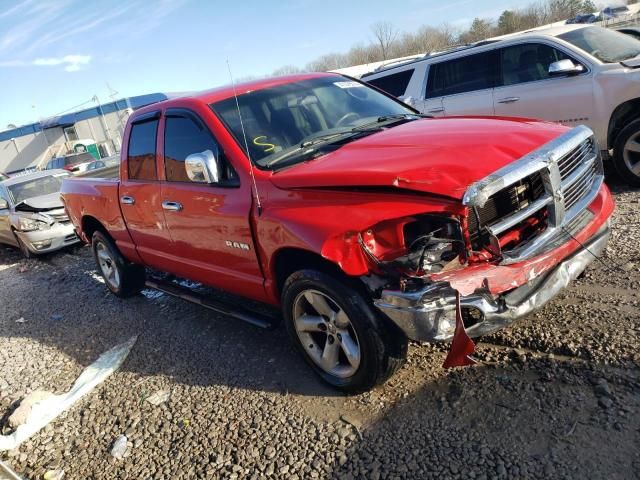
172 206
436 110
126 200
509 100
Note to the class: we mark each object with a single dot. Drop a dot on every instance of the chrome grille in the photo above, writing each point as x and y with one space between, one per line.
575 158
571 171
578 189
59 216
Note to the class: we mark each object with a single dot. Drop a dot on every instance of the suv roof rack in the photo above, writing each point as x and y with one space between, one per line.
403 63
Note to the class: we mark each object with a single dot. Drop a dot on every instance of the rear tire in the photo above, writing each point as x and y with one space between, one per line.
122 277
626 153
325 315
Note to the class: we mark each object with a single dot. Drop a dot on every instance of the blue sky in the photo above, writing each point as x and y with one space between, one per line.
56 54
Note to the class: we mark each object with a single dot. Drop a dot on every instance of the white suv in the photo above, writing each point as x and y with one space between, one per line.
571 74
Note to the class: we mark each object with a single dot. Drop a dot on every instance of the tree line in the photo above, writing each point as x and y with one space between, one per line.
389 42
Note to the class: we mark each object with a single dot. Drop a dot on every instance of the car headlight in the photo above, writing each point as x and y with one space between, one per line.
415 246
30 224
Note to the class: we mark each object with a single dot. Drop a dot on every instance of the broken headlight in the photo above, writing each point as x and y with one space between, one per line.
418 245
29 224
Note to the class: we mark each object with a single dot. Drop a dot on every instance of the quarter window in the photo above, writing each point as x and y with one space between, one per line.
142 151
528 62
466 74
395 84
185 135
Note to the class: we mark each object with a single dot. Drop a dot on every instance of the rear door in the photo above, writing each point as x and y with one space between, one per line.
209 223
527 90
140 192
464 84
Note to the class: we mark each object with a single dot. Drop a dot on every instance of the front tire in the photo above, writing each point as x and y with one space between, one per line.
338 332
626 153
123 278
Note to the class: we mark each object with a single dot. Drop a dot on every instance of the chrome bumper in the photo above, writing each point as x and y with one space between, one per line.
428 315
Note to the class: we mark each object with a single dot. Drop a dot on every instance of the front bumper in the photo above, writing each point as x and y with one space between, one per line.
60 235
428 315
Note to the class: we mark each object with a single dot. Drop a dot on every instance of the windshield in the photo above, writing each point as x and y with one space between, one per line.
36 188
281 119
608 46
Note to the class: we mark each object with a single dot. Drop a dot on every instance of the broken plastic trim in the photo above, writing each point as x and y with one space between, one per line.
428 314
422 240
47 410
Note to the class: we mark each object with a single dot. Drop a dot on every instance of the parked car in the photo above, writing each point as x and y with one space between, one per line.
632 31
571 74
32 216
361 220
74 162
610 13
582 18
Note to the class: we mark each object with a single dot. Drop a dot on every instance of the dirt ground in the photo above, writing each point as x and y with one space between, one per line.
556 395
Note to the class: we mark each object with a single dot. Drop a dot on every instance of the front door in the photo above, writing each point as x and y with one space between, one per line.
527 89
140 193
208 222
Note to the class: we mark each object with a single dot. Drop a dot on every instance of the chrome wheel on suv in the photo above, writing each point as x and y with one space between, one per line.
326 332
631 153
626 153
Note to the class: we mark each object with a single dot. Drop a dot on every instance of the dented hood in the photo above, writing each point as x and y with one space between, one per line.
441 156
41 203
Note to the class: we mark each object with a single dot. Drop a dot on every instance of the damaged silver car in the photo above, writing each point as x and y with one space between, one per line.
32 216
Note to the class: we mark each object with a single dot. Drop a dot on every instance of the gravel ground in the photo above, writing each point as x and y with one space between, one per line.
557 395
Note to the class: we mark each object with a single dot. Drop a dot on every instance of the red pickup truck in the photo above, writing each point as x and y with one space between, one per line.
366 223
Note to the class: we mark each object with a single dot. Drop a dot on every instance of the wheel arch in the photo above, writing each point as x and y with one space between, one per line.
288 260
90 225
623 114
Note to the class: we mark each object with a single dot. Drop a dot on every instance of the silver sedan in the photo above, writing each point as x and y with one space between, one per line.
32 216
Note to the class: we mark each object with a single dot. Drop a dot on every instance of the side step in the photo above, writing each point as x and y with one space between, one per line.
261 320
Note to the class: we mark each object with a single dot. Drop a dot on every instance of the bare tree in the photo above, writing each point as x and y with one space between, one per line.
385 34
287 70
480 30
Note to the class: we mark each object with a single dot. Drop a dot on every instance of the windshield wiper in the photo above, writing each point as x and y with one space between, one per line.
323 138
388 118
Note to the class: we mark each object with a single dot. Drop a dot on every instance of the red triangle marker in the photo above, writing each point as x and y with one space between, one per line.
461 346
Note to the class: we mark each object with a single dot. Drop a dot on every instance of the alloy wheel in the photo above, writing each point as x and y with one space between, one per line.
631 154
326 333
107 266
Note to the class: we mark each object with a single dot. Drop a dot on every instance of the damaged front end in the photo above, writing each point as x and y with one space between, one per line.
527 231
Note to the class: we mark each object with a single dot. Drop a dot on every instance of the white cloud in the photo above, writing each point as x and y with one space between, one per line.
36 25
71 63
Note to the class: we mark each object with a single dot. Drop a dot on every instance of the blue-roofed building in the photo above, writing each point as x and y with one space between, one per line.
30 145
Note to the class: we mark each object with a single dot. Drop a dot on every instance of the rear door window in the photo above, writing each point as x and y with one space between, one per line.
462 75
528 62
142 150
394 84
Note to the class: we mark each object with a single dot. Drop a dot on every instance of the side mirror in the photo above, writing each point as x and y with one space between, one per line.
565 67
4 205
202 167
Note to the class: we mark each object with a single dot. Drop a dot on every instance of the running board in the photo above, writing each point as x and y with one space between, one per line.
254 318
